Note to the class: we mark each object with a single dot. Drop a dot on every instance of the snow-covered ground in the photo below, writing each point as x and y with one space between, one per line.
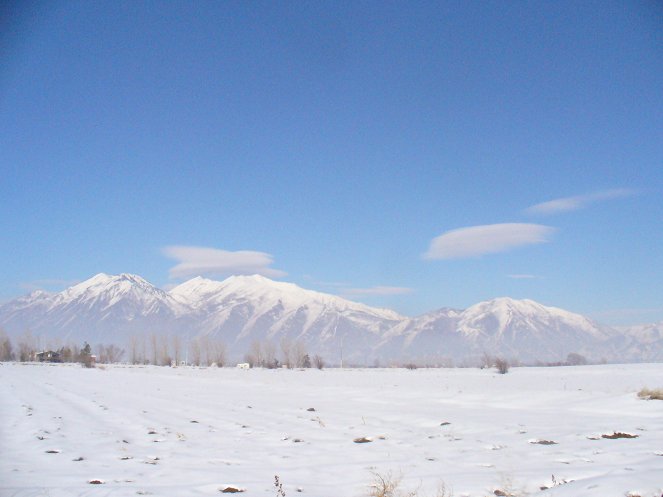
186 432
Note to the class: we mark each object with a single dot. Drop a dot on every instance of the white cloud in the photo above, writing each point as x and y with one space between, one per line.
197 261
568 204
487 239
378 290
522 276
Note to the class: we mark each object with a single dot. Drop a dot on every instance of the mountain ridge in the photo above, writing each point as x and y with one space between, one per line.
241 310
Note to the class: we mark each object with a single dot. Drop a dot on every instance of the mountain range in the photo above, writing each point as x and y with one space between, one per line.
244 309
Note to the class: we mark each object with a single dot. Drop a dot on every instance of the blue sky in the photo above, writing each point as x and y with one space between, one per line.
411 155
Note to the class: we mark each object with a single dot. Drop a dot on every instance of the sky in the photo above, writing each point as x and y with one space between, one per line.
410 155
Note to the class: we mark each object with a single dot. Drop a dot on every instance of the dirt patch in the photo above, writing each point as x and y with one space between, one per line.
230 489
542 442
618 434
362 440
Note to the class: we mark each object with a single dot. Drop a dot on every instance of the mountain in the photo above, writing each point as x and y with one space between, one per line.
244 309
239 310
644 342
103 309
521 329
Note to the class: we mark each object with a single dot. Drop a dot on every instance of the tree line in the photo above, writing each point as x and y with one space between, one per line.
162 350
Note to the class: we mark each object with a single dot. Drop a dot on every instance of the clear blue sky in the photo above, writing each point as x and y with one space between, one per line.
411 155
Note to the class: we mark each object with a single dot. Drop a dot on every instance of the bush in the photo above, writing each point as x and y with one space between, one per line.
502 365
318 361
648 394
574 359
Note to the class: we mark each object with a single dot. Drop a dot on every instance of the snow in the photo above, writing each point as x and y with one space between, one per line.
189 431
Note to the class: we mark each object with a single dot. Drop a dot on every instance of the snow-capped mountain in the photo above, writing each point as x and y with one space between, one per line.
644 342
104 309
521 329
238 310
244 309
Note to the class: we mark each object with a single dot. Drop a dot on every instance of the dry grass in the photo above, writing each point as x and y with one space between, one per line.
647 394
388 485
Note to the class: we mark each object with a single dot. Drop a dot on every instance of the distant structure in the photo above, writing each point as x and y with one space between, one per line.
49 356
243 365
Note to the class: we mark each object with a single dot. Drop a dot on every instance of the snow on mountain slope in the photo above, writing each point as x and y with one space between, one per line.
101 309
644 342
243 309
521 329
529 330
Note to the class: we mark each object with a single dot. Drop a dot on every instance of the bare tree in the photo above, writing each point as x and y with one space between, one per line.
27 347
113 353
154 348
299 355
99 353
269 355
286 352
6 348
486 361
164 354
205 352
318 361
218 352
194 352
177 349
255 355
133 349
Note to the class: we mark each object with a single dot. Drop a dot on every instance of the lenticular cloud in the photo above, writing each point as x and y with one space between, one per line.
195 261
486 239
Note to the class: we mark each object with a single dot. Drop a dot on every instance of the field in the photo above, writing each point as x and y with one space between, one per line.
192 432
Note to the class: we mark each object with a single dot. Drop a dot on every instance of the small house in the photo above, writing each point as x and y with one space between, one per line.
49 356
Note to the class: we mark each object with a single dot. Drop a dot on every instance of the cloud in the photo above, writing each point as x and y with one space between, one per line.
378 290
522 276
196 261
487 239
568 204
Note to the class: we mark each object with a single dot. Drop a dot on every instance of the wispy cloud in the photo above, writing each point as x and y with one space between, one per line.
522 276
196 261
486 239
567 204
378 290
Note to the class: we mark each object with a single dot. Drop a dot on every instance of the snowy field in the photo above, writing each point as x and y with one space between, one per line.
189 432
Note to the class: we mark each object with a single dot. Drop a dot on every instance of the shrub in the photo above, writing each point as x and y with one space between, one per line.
502 365
574 359
318 361
648 394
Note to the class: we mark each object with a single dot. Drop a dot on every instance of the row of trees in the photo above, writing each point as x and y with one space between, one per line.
165 351
288 354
